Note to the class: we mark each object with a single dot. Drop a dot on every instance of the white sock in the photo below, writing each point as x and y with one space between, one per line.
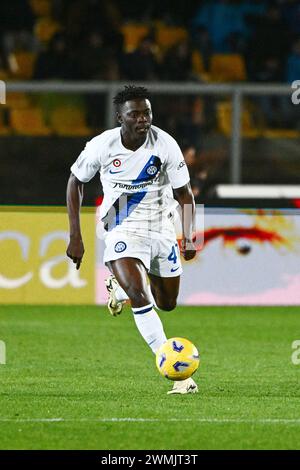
150 326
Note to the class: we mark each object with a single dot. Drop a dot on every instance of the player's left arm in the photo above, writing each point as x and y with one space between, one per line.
185 198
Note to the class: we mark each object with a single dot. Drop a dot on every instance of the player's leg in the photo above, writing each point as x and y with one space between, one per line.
165 291
119 245
164 275
164 272
131 275
117 295
132 278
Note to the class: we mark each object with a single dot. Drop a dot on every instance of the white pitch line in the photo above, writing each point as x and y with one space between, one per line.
156 420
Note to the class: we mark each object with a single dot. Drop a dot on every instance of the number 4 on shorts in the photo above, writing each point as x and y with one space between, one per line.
172 256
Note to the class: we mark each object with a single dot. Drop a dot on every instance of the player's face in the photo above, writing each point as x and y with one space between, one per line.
136 118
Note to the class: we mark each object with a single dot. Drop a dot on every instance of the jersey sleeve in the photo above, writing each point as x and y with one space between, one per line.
176 168
87 164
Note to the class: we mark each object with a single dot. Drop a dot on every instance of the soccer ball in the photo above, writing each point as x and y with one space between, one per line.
177 359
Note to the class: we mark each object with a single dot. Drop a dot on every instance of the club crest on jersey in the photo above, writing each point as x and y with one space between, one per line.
152 170
120 247
149 171
116 163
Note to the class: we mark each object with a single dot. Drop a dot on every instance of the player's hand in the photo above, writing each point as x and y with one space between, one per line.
188 249
75 250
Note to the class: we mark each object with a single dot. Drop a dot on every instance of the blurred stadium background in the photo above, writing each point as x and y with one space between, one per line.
220 73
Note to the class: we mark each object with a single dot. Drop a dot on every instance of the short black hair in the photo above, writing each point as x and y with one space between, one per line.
130 92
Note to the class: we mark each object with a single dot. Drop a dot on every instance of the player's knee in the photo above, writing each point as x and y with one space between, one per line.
166 304
137 296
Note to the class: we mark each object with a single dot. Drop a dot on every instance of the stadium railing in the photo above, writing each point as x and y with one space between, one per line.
237 92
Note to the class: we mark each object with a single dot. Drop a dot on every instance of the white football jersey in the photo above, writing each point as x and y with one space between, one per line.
138 184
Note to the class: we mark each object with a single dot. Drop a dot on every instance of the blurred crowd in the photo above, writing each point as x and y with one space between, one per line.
164 41
86 39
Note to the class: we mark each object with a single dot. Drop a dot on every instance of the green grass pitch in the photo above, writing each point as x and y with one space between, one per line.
76 378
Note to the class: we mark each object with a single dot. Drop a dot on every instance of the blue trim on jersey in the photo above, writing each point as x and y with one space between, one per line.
122 208
126 203
132 201
150 170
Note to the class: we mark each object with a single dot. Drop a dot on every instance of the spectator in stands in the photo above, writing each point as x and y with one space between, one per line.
293 63
235 43
3 61
270 38
16 15
197 174
56 62
193 118
278 110
291 15
203 44
97 62
270 70
221 18
104 18
177 64
142 63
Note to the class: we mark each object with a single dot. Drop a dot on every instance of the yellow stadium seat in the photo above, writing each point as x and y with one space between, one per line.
224 118
17 99
198 66
168 36
227 68
28 121
21 64
197 60
45 28
133 34
69 121
4 130
281 134
4 75
40 7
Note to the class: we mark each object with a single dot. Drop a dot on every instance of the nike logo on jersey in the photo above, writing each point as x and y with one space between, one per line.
113 172
174 269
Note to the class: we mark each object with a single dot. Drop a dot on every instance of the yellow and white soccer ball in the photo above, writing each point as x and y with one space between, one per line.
177 359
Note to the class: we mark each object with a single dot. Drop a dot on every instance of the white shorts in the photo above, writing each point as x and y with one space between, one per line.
160 255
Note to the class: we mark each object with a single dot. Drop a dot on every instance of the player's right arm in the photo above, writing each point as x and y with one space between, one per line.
82 171
75 248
